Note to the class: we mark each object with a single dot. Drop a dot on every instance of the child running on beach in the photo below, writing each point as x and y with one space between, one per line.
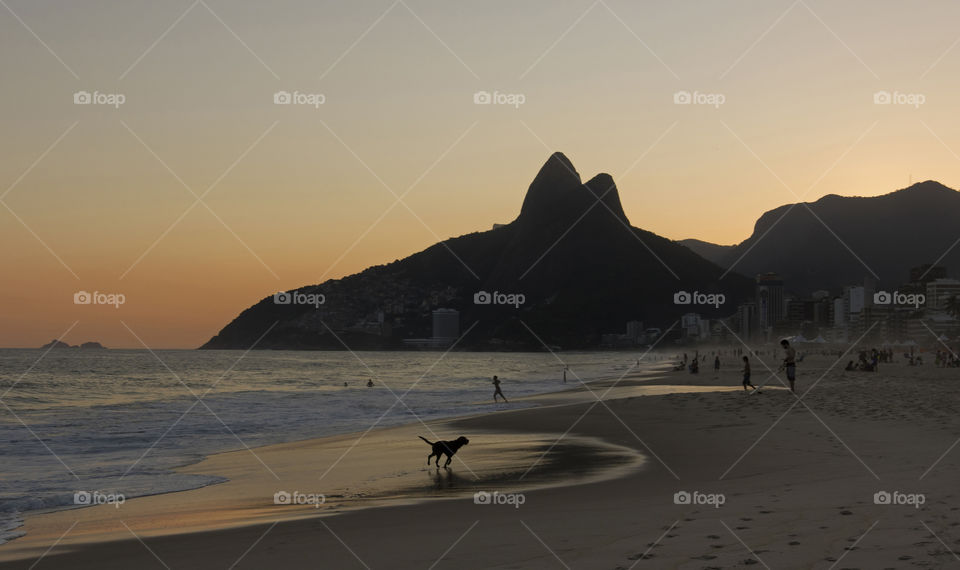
746 375
497 391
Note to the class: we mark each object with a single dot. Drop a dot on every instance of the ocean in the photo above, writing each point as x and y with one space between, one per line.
120 421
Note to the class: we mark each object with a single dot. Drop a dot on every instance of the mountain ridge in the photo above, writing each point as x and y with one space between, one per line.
840 240
582 269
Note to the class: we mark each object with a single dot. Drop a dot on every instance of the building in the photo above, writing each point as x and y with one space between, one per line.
854 300
694 328
939 292
747 315
769 300
446 324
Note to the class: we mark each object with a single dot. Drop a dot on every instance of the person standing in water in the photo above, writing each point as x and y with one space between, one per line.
790 363
746 375
497 391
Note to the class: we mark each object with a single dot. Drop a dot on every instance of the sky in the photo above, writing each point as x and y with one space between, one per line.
190 188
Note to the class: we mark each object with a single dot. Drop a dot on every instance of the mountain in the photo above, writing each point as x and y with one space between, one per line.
817 245
60 344
574 265
708 250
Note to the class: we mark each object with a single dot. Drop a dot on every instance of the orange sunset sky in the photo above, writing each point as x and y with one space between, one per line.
105 198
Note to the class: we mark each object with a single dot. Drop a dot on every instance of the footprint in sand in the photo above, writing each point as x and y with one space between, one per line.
742 527
713 536
794 543
703 557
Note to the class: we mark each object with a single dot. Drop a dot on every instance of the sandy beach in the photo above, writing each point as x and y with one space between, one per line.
765 480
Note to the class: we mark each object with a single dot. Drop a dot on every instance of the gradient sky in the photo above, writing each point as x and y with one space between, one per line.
96 198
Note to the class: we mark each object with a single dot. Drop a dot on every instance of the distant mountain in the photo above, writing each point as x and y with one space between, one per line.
708 250
817 245
571 254
60 344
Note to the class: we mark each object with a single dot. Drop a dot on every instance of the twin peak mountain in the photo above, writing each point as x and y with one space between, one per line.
572 254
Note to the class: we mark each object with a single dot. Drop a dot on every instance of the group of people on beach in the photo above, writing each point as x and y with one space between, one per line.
789 365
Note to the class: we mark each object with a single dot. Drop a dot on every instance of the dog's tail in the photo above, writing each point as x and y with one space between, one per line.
425 439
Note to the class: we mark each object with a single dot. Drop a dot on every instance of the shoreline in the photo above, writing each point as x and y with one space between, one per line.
799 489
17 519
544 476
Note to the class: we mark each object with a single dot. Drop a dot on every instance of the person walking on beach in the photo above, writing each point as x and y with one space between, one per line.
497 391
790 363
746 375
370 383
716 363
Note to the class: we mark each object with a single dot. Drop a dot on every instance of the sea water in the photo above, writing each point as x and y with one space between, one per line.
118 422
